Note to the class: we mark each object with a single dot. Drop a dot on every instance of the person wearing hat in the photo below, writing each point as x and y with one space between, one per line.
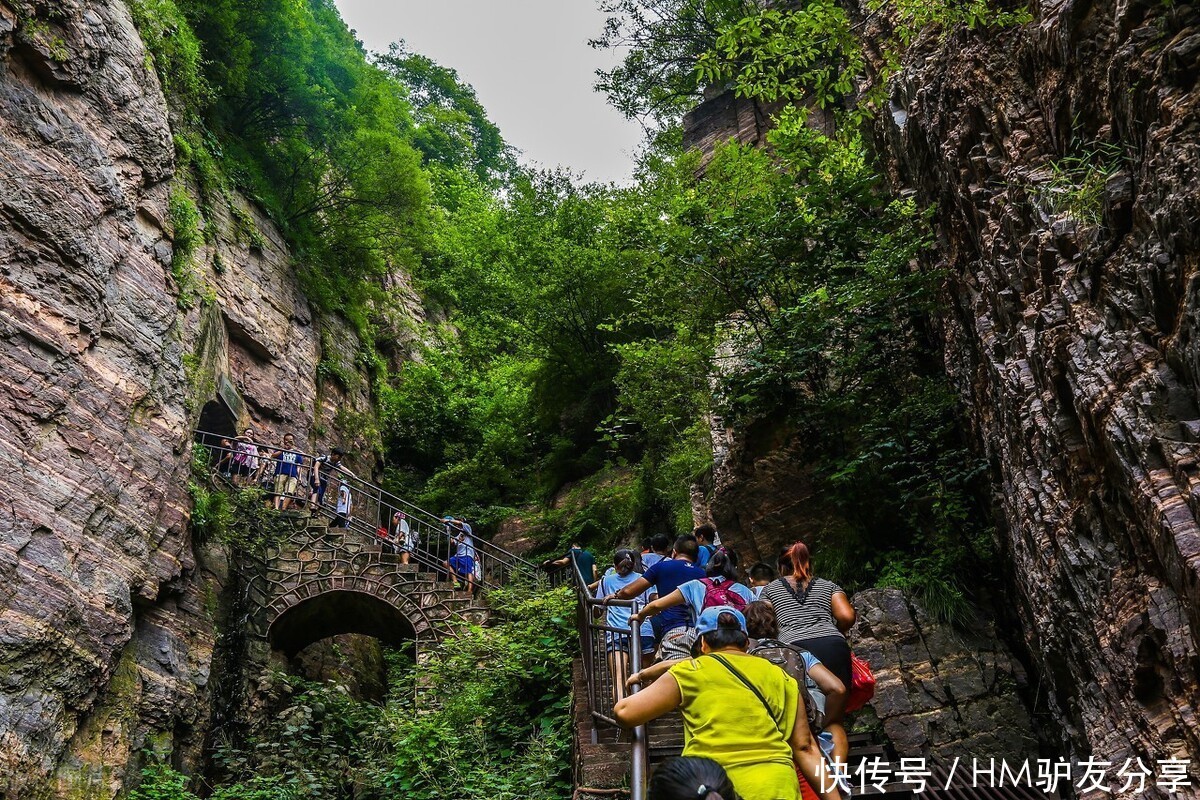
741 711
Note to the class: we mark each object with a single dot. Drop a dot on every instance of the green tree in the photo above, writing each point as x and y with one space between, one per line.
452 129
662 40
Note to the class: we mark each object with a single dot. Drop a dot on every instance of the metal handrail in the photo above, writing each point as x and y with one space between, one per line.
372 510
599 674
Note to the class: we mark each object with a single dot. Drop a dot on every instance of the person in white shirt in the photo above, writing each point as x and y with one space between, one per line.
403 536
344 503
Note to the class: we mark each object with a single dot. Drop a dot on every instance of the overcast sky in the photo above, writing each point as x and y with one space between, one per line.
531 68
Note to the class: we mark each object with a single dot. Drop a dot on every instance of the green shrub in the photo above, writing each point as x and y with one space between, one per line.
186 239
175 52
160 782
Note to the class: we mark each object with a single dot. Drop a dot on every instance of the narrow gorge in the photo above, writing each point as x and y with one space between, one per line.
535 354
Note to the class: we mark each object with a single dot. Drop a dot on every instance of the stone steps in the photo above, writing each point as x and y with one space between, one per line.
319 552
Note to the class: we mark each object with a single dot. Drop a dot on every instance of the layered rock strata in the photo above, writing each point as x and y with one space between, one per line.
1061 158
109 615
92 387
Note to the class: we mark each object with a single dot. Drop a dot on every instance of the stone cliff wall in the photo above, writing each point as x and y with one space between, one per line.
109 616
941 693
1062 160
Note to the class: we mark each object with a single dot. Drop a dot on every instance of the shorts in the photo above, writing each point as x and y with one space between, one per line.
616 642
676 643
285 484
407 545
833 652
241 470
463 566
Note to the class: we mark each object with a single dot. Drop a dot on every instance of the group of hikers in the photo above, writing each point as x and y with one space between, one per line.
760 671
292 479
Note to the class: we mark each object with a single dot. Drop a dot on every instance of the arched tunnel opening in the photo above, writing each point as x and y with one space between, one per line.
216 418
338 612
344 636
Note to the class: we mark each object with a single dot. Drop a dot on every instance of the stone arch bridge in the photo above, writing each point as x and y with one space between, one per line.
322 582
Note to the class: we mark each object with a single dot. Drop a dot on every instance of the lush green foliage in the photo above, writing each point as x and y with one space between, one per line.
174 50
792 276
503 731
465 732
662 41
451 128
810 51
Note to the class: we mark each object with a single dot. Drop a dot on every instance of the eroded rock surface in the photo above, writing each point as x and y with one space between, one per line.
110 616
92 418
1062 158
941 693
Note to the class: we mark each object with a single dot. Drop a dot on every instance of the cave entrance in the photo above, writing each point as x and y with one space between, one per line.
216 418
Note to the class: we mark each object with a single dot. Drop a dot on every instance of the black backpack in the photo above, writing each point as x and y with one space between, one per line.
790 660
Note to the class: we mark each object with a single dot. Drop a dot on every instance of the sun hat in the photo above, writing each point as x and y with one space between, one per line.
709 618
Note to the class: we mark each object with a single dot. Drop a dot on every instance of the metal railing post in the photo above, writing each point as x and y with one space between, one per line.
639 767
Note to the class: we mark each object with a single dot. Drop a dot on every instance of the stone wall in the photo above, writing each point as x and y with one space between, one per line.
92 415
941 693
1062 160
109 616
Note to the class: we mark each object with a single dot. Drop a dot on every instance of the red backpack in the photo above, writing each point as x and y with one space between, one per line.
721 594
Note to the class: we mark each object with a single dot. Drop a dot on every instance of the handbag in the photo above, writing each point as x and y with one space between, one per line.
862 684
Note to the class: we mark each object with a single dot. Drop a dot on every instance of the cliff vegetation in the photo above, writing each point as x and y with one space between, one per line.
596 330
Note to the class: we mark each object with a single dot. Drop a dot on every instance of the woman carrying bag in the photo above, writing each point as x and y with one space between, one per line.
815 614
741 711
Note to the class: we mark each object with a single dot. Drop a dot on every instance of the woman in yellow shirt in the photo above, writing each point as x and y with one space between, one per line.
743 712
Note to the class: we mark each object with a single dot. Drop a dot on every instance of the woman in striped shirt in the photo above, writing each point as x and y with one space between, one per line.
813 614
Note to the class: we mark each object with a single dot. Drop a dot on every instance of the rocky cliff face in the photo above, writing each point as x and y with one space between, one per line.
941 693
1062 159
108 615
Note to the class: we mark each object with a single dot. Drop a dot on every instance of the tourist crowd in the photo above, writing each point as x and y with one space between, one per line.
760 670
292 479
289 477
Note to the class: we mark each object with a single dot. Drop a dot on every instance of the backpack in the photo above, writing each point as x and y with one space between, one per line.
721 594
789 659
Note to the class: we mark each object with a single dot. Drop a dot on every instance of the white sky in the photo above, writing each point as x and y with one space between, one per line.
531 68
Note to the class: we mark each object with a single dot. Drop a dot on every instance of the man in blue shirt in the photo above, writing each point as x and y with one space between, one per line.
287 473
705 534
660 547
666 576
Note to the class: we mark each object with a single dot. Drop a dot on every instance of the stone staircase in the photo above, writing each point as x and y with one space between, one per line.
316 556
